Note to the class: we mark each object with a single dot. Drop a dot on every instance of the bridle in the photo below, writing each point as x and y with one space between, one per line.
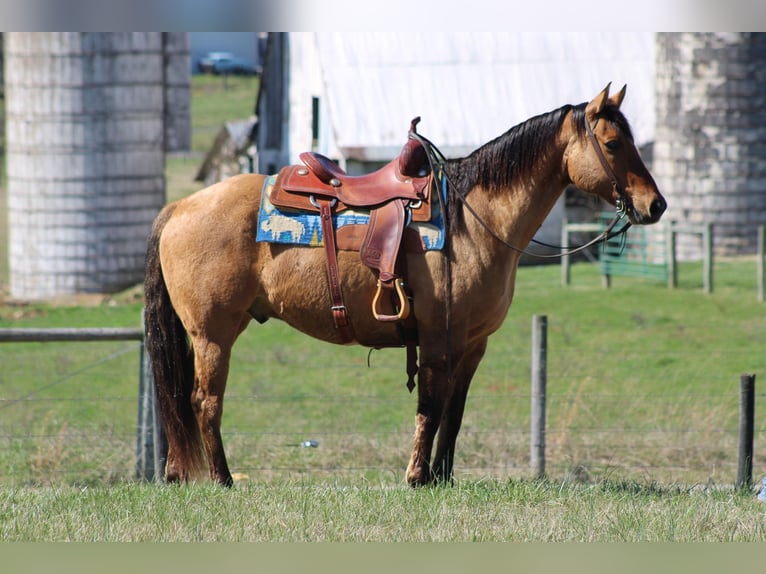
616 187
620 207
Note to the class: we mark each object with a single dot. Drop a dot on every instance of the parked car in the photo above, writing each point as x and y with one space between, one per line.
226 63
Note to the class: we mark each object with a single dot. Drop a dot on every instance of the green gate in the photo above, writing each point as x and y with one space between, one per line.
641 252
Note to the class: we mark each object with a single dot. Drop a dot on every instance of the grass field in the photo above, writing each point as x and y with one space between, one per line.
641 442
331 512
641 438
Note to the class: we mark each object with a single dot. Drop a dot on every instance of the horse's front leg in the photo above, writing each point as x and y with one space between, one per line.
432 390
453 411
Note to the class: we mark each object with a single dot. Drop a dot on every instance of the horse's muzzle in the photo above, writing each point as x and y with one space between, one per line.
652 214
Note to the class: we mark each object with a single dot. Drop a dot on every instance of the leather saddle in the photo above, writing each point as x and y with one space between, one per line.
395 194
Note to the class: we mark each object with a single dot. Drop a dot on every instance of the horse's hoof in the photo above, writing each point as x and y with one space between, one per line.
172 475
224 480
419 478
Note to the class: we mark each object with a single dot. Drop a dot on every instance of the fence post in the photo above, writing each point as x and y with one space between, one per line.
144 438
565 273
746 429
671 256
151 444
707 246
160 440
761 266
539 382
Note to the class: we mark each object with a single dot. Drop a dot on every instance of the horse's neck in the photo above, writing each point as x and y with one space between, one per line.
513 214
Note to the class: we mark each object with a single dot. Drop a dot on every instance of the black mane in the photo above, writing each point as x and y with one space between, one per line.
511 157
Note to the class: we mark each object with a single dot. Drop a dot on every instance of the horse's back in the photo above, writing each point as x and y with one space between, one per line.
240 194
222 212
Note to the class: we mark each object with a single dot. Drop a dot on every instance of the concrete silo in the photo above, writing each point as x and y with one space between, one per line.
86 124
710 136
177 89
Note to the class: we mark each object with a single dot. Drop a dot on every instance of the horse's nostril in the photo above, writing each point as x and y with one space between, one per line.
657 208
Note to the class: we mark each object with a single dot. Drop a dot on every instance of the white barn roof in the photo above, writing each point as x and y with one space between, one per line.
468 87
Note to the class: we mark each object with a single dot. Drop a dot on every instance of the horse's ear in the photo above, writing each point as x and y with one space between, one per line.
617 98
597 104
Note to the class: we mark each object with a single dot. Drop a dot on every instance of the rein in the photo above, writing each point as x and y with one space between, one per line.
437 160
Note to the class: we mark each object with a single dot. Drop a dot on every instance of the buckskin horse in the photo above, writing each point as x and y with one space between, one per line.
207 277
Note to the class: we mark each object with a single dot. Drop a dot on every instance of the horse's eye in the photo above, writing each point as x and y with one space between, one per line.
612 145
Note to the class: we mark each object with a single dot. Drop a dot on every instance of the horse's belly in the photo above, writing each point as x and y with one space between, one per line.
297 292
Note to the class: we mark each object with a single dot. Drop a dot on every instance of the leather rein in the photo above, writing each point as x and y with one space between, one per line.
437 160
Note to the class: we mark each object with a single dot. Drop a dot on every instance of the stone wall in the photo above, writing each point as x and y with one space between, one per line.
710 135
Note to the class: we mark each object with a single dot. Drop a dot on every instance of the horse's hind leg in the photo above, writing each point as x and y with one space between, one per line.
453 411
211 369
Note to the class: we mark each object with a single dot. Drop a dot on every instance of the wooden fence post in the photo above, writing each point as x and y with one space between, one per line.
761 266
671 256
539 383
746 429
705 232
565 274
707 247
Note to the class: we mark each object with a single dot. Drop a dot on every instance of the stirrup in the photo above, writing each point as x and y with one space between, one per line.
404 303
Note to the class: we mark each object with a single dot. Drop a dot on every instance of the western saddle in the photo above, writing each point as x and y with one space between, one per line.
395 194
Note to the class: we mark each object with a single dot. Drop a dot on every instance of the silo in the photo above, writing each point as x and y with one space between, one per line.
177 82
85 124
710 136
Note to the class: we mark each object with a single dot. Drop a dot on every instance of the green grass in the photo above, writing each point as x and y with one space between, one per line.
216 100
310 511
643 386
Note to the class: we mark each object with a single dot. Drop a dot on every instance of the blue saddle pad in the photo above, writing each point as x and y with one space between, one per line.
304 228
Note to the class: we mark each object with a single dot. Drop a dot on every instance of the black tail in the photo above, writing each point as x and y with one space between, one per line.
172 364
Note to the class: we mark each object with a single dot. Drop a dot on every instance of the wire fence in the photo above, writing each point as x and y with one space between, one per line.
68 414
66 411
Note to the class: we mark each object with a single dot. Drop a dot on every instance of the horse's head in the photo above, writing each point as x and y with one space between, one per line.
602 158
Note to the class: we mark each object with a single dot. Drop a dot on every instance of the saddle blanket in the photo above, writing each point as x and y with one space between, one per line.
305 228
